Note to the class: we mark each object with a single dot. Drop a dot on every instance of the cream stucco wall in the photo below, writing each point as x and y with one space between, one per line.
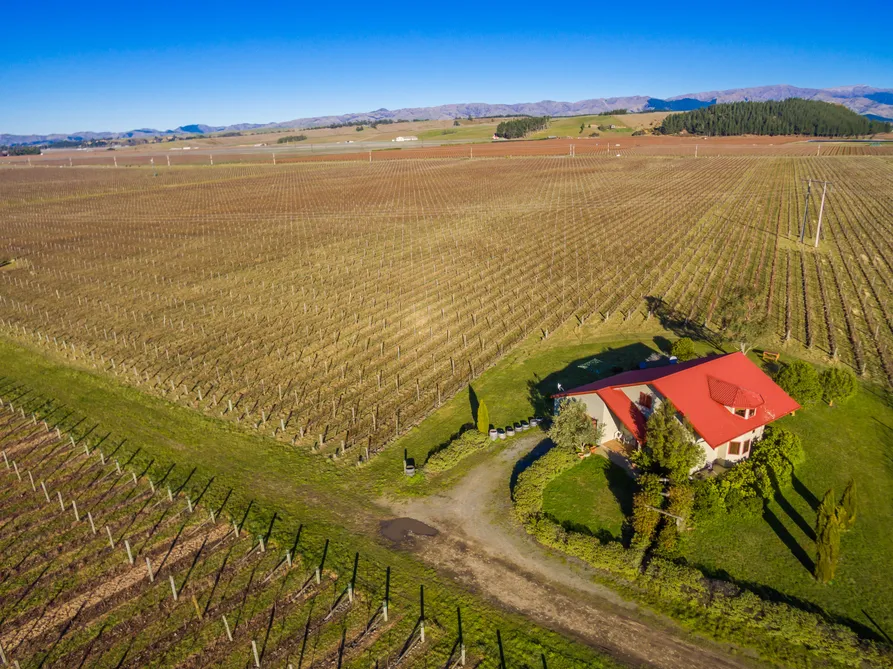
596 408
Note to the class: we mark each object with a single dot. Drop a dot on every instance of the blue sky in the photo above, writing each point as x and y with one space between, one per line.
72 66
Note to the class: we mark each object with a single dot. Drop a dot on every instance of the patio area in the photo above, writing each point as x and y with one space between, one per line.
618 453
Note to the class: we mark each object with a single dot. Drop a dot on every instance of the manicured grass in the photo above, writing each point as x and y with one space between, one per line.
593 497
850 440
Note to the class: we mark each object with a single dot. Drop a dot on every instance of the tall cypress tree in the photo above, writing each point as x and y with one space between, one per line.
827 539
828 553
483 418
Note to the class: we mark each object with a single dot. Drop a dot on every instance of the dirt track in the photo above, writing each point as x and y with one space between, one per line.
482 545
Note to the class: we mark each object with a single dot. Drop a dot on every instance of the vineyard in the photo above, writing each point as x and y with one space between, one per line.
622 146
335 305
112 560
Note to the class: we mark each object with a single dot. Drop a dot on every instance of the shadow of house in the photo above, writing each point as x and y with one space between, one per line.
678 323
606 363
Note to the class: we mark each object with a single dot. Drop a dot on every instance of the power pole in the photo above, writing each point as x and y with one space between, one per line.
805 211
818 230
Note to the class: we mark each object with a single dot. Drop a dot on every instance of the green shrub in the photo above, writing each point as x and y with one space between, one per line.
671 444
457 450
837 384
773 459
528 492
708 503
667 543
572 428
800 380
684 349
483 418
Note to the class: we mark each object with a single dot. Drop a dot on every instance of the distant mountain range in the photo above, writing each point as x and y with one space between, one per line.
875 103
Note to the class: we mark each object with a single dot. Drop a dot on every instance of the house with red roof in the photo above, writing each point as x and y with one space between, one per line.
726 399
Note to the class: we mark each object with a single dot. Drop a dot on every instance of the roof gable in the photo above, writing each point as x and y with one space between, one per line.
732 395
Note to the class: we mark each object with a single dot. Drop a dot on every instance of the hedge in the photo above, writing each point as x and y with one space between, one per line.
456 451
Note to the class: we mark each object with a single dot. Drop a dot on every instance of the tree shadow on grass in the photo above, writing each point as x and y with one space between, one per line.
678 323
600 533
721 581
794 515
663 344
804 492
474 403
521 465
788 540
622 486
878 625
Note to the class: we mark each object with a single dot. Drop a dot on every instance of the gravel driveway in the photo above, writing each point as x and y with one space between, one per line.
481 545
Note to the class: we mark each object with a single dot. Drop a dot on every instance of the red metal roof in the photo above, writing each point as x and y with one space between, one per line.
623 407
632 378
701 390
731 395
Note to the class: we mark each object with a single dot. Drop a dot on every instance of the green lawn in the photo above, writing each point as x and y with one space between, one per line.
463 132
570 127
854 439
593 497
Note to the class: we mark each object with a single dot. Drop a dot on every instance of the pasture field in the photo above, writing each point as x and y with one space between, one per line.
569 126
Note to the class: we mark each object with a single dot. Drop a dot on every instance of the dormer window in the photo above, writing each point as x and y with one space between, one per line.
737 400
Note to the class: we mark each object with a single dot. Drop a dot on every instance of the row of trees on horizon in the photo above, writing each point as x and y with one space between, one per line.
785 117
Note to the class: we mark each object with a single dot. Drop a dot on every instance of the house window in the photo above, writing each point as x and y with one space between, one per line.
740 447
745 413
645 400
